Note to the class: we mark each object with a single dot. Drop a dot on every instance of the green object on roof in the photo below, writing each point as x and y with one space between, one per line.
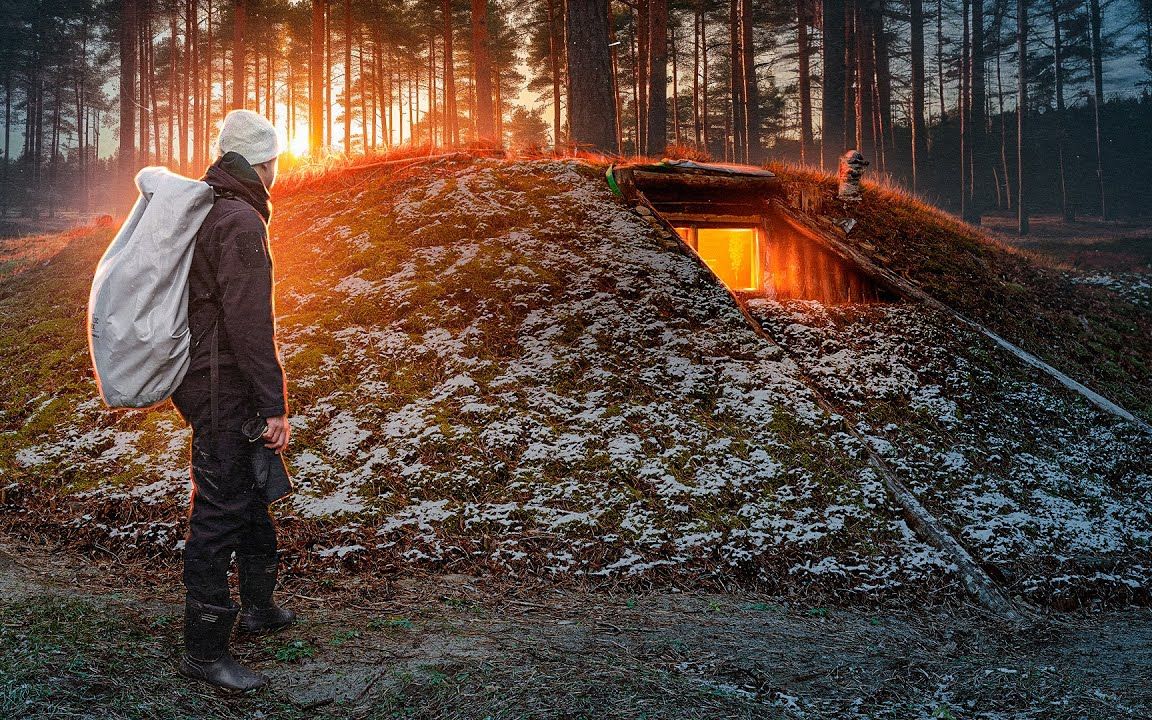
611 177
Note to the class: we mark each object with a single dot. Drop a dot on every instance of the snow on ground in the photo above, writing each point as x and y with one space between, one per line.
1133 287
1033 479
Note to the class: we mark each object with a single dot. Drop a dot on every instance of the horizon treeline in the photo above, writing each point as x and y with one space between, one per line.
929 90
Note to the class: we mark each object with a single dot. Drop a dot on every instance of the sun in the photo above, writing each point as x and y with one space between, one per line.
298 146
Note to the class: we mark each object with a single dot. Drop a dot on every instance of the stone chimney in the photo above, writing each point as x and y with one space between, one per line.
852 165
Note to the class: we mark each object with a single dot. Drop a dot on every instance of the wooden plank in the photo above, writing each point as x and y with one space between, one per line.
648 181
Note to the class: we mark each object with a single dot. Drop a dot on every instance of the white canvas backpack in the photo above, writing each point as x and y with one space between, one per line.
138 307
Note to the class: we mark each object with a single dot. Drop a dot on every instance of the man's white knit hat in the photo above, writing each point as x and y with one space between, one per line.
249 134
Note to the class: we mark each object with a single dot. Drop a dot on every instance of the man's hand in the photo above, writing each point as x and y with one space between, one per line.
277 433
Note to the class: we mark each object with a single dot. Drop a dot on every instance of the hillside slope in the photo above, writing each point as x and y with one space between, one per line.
499 367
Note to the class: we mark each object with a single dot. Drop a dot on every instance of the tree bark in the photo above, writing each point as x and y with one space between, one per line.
882 131
192 57
590 105
753 147
208 64
832 141
1021 110
1098 98
803 55
979 99
865 79
696 42
940 58
239 23
657 131
128 33
316 80
642 71
554 59
1061 111
328 114
481 59
737 115
347 77
963 111
917 48
7 134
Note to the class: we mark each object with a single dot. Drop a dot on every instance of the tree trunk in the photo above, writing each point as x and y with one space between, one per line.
142 34
347 77
803 55
365 90
643 63
883 133
1021 110
240 21
865 79
173 89
154 109
316 80
963 110
554 59
329 142
128 34
832 141
657 131
1061 111
208 60
753 152
704 130
451 131
675 87
615 85
696 42
7 134
590 106
917 48
192 73
738 118
940 58
978 116
1000 12
482 61
1098 99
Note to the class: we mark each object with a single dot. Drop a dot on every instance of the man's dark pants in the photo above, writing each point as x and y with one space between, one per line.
229 514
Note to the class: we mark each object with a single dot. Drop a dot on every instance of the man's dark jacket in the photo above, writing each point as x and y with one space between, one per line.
231 276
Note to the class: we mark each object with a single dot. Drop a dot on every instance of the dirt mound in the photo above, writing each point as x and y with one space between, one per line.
499 368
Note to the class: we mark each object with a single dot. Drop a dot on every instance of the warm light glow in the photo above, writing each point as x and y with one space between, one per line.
299 145
732 253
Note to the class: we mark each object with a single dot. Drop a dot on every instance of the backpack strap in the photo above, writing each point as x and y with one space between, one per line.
214 372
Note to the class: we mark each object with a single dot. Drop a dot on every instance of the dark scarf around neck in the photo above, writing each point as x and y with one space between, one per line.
233 175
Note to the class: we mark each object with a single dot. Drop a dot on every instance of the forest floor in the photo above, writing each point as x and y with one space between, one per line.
13 224
75 641
1088 244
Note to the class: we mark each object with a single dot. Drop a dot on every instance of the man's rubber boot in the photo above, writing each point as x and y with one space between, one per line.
206 657
257 581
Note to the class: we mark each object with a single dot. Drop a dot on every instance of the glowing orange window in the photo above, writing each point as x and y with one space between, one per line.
732 253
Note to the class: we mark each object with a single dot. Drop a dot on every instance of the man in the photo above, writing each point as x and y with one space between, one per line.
230 316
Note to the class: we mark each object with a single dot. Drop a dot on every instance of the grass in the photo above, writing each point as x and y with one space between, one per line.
62 657
371 357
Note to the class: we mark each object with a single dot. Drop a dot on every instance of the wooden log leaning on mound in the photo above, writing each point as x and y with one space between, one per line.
826 237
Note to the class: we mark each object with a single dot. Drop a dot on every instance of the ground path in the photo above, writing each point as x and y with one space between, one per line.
73 644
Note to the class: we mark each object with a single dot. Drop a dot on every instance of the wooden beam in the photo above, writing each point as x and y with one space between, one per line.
649 181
